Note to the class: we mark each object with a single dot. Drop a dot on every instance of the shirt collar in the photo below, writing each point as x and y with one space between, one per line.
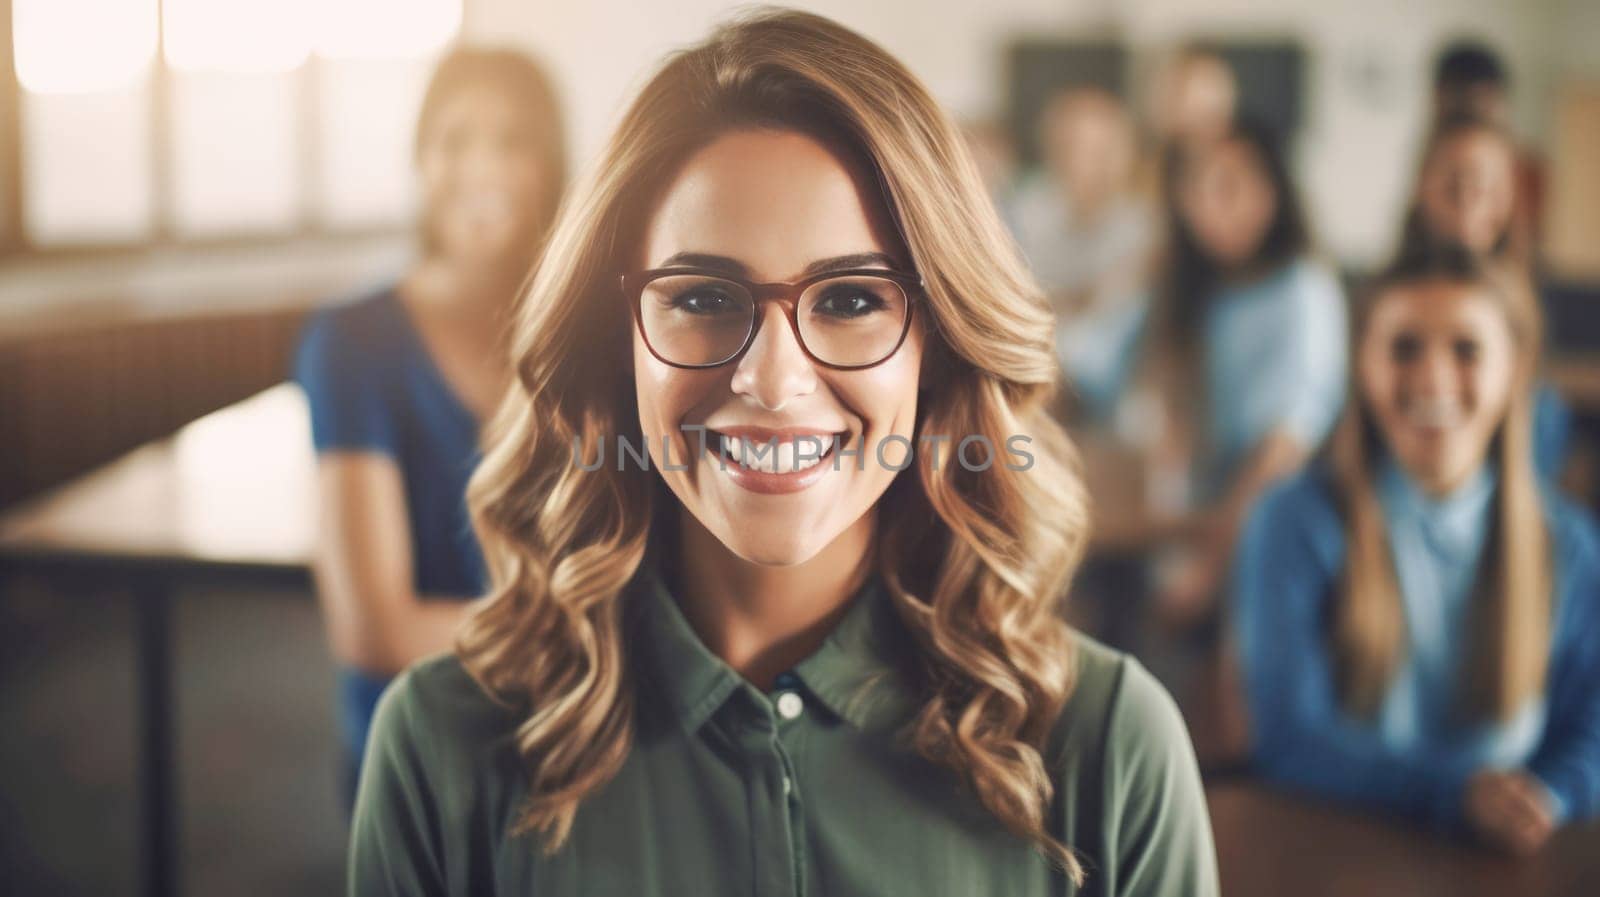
1455 522
856 673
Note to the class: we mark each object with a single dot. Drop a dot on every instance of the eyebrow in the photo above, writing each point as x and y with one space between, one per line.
821 266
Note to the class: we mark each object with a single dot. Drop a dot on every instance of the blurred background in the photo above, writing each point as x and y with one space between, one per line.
182 181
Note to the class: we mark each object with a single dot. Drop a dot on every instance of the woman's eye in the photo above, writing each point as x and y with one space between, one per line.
704 302
848 303
1466 350
1405 348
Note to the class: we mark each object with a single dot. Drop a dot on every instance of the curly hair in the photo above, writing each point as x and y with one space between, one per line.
975 563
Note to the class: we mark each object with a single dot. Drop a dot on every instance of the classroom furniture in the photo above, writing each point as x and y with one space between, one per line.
75 395
1271 844
229 500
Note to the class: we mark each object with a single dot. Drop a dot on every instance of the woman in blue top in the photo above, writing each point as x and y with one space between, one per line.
1245 346
399 380
1417 618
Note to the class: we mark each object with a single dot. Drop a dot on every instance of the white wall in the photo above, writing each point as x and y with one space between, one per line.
1367 81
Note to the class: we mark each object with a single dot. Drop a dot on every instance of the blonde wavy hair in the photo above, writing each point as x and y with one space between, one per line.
975 562
1509 631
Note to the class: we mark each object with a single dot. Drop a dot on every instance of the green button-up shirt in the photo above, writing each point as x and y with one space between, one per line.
801 791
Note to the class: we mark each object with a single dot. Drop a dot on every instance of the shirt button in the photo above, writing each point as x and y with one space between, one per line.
790 705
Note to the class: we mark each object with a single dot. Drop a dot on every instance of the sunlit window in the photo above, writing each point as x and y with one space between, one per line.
83 46
194 119
236 35
410 27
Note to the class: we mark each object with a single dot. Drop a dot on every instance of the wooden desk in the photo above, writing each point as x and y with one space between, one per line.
1271 844
229 499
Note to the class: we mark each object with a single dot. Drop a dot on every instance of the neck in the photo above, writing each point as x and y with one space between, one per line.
1441 486
762 619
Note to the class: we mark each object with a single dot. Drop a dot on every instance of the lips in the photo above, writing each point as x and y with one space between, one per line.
774 461
1433 414
777 456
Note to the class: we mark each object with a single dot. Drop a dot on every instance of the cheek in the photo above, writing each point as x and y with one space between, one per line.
1491 385
659 391
884 397
527 177
1257 206
1379 385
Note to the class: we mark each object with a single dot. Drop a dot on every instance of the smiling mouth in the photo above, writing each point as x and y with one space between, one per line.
773 462
1433 415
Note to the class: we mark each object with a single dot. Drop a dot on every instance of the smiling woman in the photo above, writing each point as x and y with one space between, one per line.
1417 614
713 678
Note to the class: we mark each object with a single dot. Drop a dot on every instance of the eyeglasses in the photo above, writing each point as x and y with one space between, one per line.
699 318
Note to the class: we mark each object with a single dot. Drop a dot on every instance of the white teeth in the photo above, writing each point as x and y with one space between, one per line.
1434 414
789 456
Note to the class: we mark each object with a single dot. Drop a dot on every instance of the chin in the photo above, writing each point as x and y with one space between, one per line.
782 549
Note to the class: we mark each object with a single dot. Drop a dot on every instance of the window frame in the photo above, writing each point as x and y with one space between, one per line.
16 245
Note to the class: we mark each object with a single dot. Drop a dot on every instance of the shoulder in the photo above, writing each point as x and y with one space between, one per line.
1313 275
1574 538
436 713
1117 711
362 324
347 362
1129 781
1302 503
1315 291
349 333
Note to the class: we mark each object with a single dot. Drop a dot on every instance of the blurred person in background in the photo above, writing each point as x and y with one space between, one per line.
1193 98
1086 234
1466 191
400 379
1471 81
708 675
1417 613
1467 195
1244 349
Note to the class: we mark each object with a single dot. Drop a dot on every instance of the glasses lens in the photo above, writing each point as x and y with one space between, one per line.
854 320
694 319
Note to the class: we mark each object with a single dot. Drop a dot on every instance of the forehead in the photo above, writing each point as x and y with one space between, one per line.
772 200
1438 305
1477 147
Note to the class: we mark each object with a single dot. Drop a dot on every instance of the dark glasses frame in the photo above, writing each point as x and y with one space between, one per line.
785 293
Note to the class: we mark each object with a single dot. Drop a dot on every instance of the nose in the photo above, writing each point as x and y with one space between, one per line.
1434 374
775 369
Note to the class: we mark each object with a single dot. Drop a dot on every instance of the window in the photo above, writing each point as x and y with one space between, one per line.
146 121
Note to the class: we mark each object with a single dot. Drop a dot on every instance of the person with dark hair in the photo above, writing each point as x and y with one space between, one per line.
1243 350
399 380
1470 79
1472 84
1416 612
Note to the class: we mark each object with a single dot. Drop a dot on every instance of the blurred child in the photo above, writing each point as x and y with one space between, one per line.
1471 81
400 379
1087 237
1466 191
1417 616
1193 99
